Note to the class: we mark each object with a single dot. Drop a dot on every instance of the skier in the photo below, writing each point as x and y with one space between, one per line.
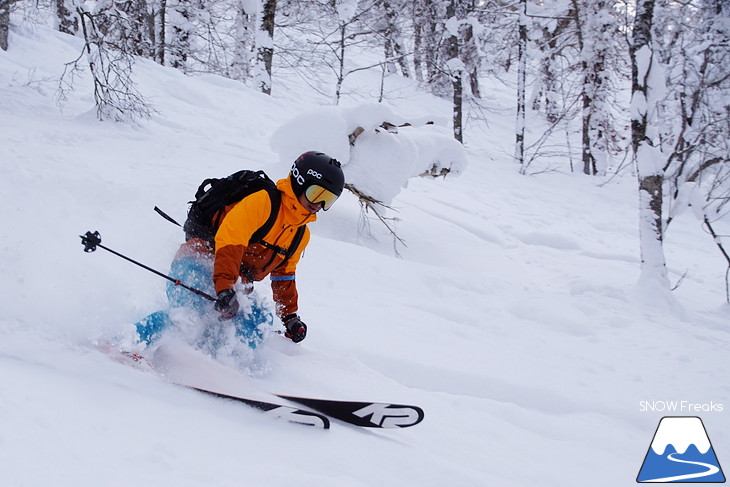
229 263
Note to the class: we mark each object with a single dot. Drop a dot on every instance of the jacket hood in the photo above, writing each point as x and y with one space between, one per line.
296 214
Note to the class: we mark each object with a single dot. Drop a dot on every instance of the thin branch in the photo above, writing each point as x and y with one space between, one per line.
724 252
368 203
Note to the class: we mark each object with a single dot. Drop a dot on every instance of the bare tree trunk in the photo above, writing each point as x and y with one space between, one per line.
587 157
521 80
162 43
650 176
341 65
4 23
433 50
245 43
593 20
458 107
419 21
456 74
265 52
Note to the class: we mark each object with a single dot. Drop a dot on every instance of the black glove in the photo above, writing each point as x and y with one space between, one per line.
296 330
227 304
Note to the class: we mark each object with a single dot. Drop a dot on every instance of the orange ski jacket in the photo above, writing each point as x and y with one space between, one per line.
234 256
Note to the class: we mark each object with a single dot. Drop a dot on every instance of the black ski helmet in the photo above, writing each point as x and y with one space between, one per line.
316 168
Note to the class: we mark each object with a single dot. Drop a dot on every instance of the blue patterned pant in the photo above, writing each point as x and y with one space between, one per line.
195 316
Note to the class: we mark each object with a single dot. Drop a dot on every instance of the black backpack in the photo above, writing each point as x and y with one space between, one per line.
214 195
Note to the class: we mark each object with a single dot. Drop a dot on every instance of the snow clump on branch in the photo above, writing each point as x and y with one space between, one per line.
379 150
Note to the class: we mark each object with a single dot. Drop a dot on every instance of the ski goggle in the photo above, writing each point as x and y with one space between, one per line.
316 195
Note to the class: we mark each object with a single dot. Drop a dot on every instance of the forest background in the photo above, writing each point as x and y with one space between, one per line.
606 86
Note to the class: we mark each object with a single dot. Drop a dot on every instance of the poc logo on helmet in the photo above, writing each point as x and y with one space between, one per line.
297 175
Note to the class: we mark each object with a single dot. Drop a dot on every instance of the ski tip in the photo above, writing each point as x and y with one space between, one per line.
125 357
280 411
307 418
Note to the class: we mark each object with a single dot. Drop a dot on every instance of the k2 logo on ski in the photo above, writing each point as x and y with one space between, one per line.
680 452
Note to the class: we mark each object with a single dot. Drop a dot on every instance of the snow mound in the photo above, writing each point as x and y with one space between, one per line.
379 149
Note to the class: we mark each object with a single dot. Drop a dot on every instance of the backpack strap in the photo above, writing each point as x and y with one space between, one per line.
286 253
294 244
258 235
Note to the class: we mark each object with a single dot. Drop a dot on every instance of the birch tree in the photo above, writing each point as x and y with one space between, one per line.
521 85
435 48
244 41
160 31
419 15
648 160
392 34
5 22
595 35
265 47
455 68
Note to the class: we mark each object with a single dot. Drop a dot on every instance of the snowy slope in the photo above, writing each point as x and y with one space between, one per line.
510 315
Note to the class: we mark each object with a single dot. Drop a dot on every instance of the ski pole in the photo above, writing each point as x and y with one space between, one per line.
91 241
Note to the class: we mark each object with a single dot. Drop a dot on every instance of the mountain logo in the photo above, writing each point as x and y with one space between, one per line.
681 452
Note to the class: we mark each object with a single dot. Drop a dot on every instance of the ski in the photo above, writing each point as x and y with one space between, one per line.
357 413
289 413
364 414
